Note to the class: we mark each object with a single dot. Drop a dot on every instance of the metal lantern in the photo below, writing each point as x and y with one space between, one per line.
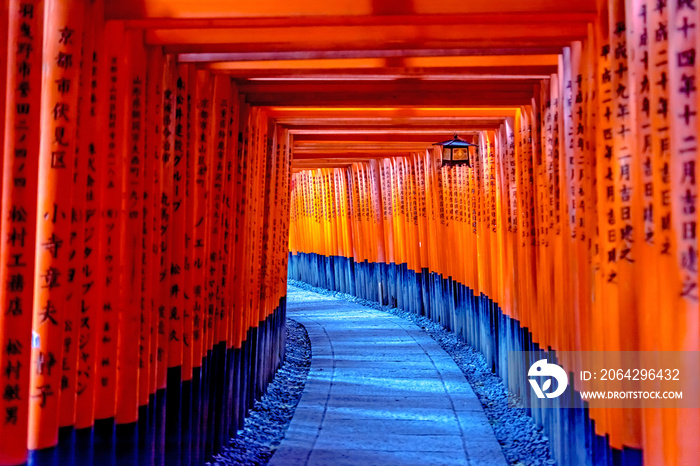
456 151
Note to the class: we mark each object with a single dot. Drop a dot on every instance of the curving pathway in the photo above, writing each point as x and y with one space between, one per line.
380 391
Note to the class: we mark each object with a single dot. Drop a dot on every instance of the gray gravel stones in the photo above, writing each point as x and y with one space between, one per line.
269 419
522 441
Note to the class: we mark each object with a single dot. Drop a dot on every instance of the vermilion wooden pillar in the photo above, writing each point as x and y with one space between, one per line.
80 251
17 250
129 354
239 307
169 349
199 165
150 251
684 191
93 99
185 144
230 421
215 261
110 147
175 123
145 250
59 115
154 104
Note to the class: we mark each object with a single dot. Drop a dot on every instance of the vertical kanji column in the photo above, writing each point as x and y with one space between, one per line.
111 145
219 139
77 270
200 169
60 85
18 220
89 276
161 204
239 307
151 401
229 422
684 69
265 252
641 37
132 172
174 123
169 349
185 149
177 265
606 275
154 90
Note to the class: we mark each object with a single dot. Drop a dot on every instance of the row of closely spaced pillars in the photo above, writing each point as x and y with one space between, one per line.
143 257
574 229
144 210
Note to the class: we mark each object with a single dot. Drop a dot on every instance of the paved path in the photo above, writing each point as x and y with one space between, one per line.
380 391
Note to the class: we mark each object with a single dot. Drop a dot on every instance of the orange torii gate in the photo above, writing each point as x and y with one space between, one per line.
149 219
125 176
548 241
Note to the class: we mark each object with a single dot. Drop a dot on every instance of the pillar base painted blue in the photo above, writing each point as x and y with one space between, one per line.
481 323
188 421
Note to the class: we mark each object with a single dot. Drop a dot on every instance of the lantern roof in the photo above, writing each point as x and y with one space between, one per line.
455 143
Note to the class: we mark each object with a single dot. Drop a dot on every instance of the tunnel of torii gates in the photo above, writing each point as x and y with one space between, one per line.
167 163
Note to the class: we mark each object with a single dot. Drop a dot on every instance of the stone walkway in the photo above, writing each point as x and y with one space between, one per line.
380 391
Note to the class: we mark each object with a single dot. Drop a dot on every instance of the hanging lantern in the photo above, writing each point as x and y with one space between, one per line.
456 151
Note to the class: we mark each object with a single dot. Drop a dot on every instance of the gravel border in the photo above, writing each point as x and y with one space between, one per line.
522 441
269 419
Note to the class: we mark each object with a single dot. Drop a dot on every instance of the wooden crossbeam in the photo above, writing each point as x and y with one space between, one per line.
449 125
452 68
167 10
427 62
395 120
409 92
368 78
405 85
388 73
370 131
211 55
375 98
369 147
291 37
369 138
416 112
350 53
224 20
335 159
